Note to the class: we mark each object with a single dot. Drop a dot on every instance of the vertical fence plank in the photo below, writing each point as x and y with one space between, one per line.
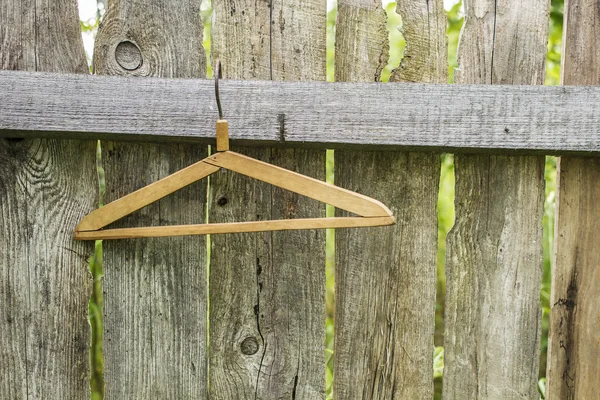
154 289
574 337
386 277
426 54
494 258
46 186
267 290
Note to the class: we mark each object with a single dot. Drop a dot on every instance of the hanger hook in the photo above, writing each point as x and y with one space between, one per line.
218 75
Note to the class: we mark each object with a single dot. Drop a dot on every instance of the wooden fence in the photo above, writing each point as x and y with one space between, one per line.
254 325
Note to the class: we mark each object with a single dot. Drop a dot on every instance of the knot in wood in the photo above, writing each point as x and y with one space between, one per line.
222 201
249 346
128 55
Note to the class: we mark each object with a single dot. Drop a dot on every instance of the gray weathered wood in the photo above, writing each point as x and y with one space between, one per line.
385 277
267 290
574 340
361 52
426 54
480 118
46 186
574 334
494 251
493 278
154 289
385 280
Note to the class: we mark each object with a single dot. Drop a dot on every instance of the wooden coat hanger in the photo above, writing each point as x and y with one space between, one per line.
370 212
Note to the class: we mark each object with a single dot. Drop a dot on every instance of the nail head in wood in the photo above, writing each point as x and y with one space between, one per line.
222 135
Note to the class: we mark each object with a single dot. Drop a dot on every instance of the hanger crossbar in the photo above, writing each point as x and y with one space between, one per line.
235 227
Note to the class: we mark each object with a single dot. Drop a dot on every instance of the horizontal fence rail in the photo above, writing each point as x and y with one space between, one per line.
391 116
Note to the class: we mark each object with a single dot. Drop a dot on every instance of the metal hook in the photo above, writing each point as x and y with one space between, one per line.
218 76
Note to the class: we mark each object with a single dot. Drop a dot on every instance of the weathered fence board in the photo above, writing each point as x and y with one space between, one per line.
494 259
480 118
386 277
44 190
154 289
267 290
425 57
574 337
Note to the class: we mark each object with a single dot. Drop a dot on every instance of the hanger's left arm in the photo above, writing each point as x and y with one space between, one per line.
140 198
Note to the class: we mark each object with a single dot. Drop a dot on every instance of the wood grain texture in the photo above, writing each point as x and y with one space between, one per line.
46 186
481 118
167 44
494 251
361 43
154 289
38 36
267 306
267 290
493 278
385 281
385 277
574 334
426 54
574 337
222 135
503 42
